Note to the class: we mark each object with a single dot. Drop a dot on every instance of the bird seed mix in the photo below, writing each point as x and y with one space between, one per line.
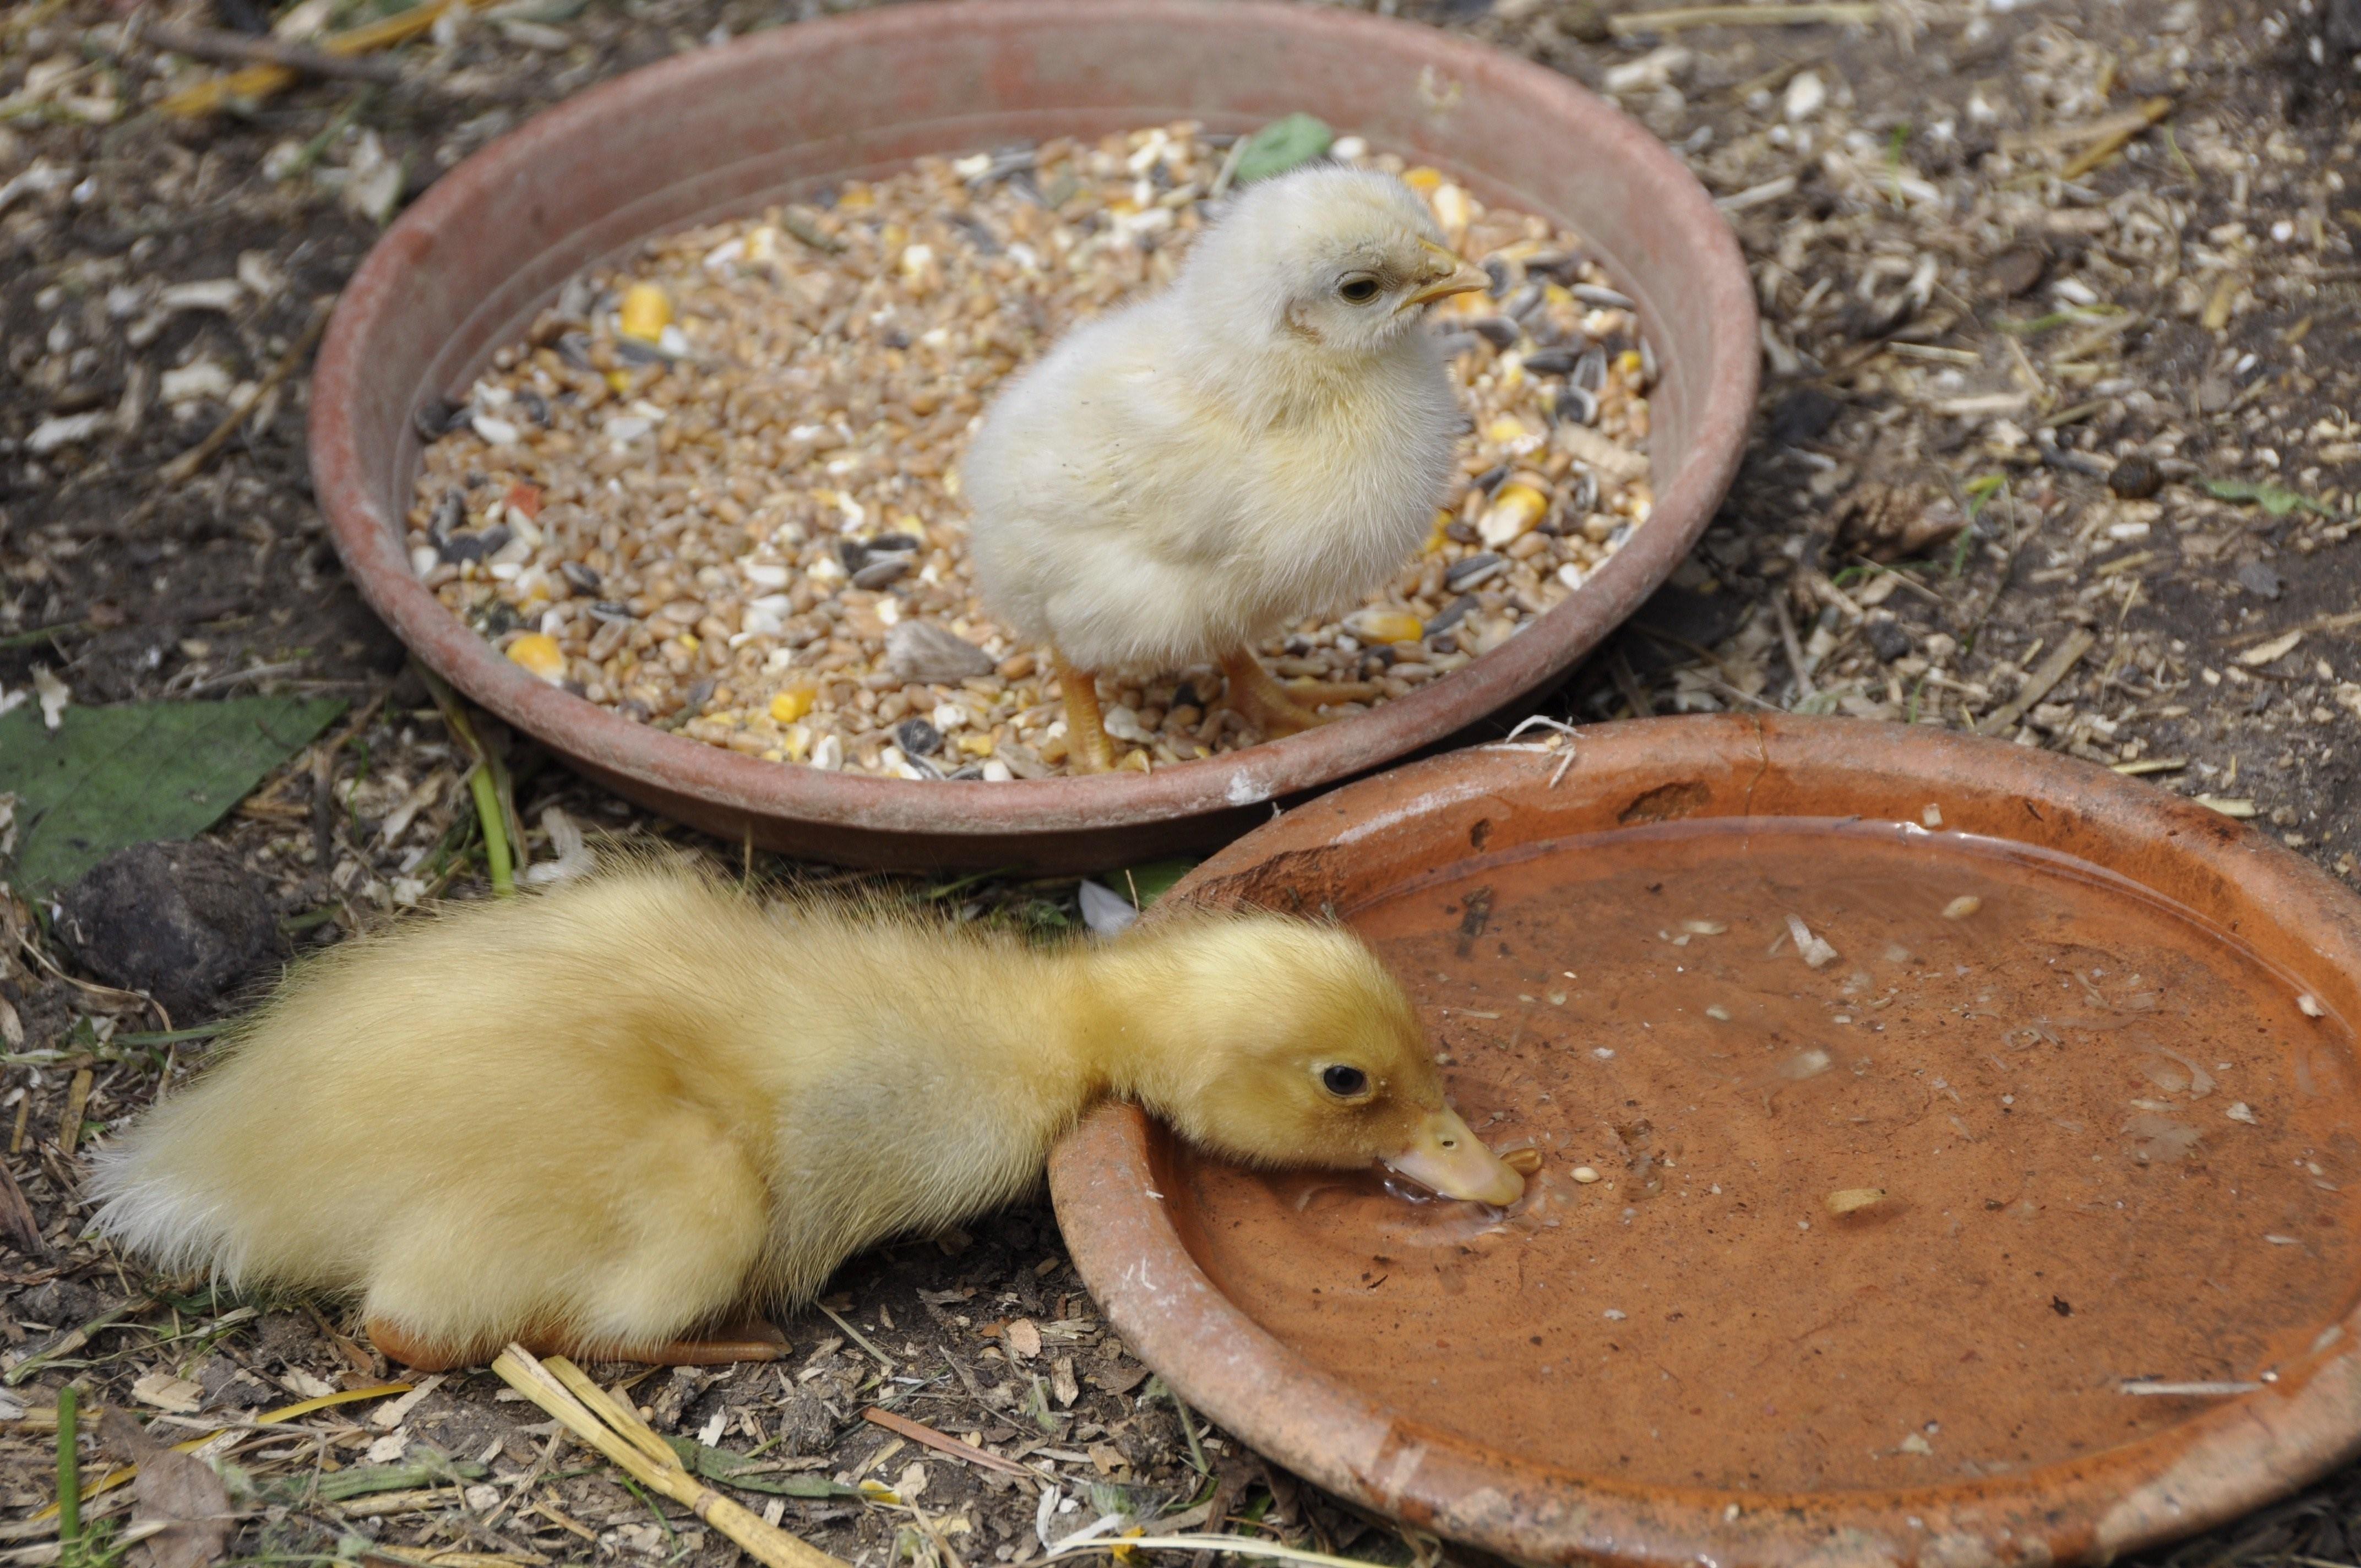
717 490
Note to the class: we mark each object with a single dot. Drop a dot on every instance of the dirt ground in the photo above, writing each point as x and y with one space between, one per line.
2058 441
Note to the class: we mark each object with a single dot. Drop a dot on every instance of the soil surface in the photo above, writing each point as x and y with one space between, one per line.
2058 441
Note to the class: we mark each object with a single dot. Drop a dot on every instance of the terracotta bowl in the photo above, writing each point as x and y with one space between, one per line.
793 110
1999 1215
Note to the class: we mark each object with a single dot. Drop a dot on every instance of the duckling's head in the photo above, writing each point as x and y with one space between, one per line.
1325 261
1285 1043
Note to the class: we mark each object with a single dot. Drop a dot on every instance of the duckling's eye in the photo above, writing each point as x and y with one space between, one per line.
1357 290
1344 1083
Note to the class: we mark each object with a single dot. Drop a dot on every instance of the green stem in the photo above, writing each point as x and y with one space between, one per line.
1189 1430
496 833
68 1466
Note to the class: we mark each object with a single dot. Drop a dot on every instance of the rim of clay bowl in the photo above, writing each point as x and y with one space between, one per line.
2223 1460
721 130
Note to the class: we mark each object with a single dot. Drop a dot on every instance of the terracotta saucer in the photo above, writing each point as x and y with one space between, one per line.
1946 1151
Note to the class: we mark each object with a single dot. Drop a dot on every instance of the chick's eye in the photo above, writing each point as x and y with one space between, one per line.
1357 290
1344 1083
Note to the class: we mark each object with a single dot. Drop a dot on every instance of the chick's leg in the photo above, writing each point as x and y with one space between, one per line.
1276 709
1086 737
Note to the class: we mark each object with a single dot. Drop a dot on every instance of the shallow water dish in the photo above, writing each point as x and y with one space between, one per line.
795 109
1945 1158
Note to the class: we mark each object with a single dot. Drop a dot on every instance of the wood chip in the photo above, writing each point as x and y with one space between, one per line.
2276 648
2037 685
943 1442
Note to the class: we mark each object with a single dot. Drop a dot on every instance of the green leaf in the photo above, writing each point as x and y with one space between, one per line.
733 1469
1151 881
1280 146
110 777
2276 500
366 1480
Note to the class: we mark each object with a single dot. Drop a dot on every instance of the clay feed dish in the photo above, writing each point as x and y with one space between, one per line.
2000 1214
794 110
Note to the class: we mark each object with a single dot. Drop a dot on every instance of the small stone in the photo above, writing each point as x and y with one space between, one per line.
1886 638
1807 95
2018 270
923 653
2135 478
183 922
2260 579
918 737
1803 414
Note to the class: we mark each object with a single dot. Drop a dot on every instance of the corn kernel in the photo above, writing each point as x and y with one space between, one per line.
976 745
792 704
539 653
620 380
646 312
1506 430
1439 535
1629 362
1423 180
1376 626
1516 510
1452 210
688 639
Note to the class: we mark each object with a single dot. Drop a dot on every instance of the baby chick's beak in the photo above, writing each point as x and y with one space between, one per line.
1452 276
1445 1155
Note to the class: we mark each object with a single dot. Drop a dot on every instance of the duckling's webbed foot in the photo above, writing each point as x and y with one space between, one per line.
1276 709
1086 737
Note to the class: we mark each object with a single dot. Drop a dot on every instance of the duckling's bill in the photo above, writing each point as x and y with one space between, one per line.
1446 1155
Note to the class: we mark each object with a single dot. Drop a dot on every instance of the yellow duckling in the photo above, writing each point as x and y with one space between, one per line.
606 1119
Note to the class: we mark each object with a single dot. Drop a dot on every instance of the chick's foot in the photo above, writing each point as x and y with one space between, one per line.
1086 736
751 1339
1276 709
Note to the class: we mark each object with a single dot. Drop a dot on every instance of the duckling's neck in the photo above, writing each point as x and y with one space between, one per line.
1146 1023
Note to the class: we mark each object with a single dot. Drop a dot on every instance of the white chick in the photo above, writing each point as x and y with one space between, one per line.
1267 439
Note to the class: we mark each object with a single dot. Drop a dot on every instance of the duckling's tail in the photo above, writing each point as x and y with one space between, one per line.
159 1195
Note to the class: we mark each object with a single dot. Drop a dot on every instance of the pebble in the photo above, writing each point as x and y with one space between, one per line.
2135 478
1807 95
184 922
